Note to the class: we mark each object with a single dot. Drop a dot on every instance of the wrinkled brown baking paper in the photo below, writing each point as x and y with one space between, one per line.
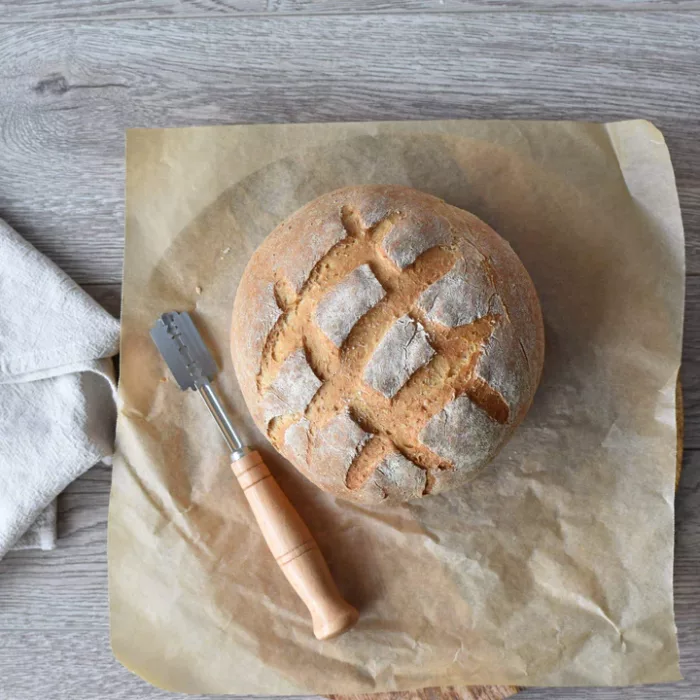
553 567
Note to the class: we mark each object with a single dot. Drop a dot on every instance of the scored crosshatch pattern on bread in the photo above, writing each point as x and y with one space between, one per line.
390 369
449 373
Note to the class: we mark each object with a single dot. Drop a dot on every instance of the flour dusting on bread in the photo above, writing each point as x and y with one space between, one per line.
347 302
464 294
335 446
292 389
399 354
413 235
463 434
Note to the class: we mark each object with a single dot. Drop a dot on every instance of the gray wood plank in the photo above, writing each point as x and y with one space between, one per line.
67 587
690 369
68 92
108 295
78 10
442 6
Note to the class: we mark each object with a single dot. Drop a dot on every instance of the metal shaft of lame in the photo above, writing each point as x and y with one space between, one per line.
206 391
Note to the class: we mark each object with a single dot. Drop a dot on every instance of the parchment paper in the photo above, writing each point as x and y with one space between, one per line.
553 567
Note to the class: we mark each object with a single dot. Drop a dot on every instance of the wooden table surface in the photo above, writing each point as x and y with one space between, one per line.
74 74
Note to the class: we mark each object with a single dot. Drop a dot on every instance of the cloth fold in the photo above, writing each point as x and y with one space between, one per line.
57 389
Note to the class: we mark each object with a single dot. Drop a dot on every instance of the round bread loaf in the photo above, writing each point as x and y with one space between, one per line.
386 342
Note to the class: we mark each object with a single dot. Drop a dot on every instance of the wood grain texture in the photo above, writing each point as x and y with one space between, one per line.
108 295
690 369
69 87
293 547
69 92
78 10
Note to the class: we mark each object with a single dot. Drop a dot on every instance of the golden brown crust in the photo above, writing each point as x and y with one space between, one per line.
386 342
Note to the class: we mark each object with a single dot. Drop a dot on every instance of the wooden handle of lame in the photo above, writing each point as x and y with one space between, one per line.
294 548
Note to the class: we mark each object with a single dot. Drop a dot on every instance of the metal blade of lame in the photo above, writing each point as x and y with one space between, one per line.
193 367
183 350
